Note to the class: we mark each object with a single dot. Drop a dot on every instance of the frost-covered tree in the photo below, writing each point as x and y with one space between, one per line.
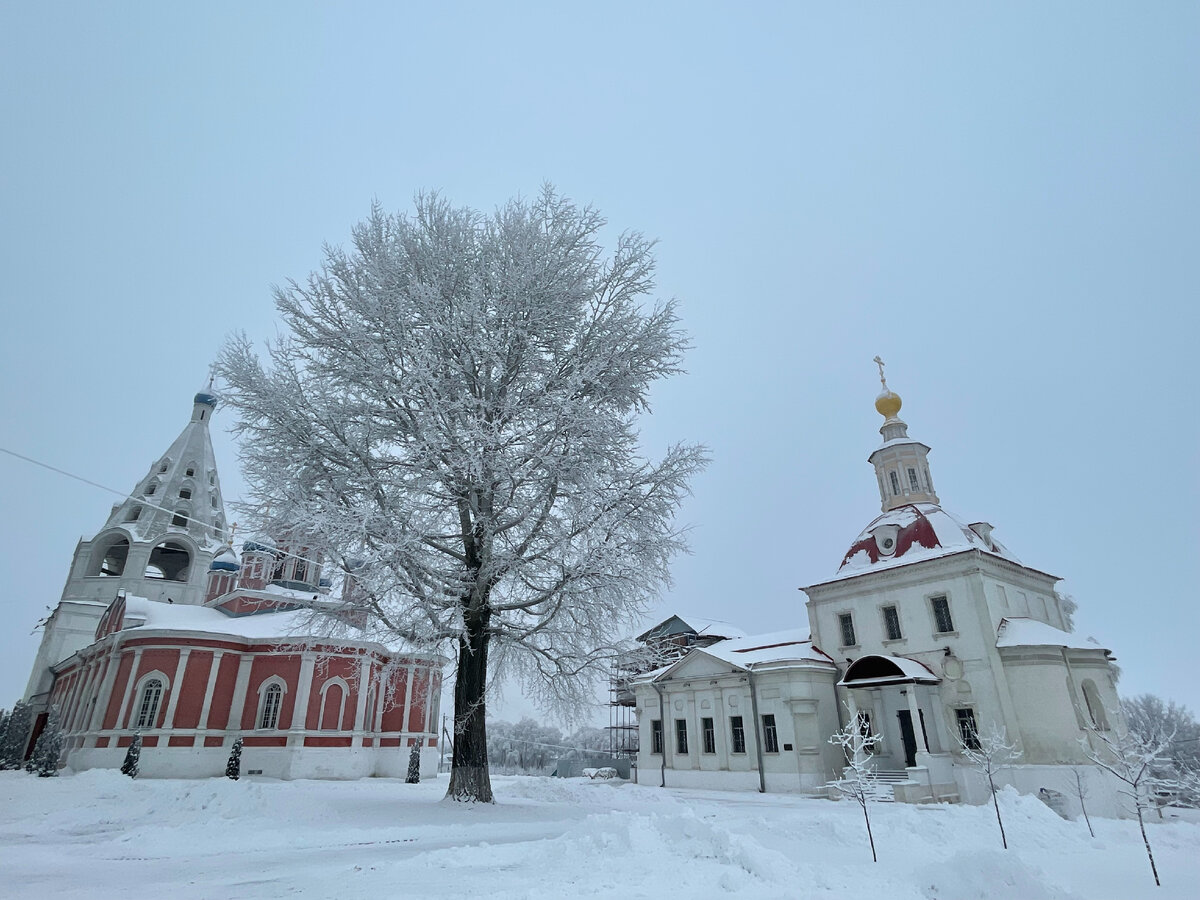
989 753
48 748
16 736
1150 716
454 402
413 775
1140 761
233 768
859 779
132 756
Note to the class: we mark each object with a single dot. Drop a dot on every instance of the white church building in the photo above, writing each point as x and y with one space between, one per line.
929 633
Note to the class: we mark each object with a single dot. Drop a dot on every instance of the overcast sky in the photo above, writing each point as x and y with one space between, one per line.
1002 200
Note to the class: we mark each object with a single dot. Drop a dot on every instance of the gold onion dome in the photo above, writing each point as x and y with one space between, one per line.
888 403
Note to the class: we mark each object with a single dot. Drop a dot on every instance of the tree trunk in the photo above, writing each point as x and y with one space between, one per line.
469 779
996 803
870 837
1146 841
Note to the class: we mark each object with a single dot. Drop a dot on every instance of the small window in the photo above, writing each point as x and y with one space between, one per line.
770 735
162 467
1095 708
189 472
212 478
941 614
846 623
180 519
301 570
134 514
272 700
710 735
151 488
148 704
968 733
681 736
185 493
895 483
891 623
912 480
213 500
656 736
738 734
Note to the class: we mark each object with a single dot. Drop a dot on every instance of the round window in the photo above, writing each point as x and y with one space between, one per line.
887 543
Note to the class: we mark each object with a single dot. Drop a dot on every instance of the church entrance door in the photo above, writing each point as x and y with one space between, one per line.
909 737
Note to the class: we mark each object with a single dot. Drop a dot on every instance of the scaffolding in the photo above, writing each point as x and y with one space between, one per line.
665 643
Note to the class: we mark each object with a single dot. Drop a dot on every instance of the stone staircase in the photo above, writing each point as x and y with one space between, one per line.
882 791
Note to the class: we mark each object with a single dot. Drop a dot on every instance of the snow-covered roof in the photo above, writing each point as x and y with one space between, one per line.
917 531
756 651
289 624
761 649
1019 631
678 623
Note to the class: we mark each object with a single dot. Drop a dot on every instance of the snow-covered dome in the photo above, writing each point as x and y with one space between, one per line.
915 532
225 561
206 398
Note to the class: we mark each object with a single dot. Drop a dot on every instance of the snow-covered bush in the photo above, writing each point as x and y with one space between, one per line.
233 768
16 736
48 749
132 755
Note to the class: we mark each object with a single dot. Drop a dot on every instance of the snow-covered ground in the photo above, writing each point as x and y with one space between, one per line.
99 834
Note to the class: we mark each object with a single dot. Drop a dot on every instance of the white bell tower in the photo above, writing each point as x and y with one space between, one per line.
901 467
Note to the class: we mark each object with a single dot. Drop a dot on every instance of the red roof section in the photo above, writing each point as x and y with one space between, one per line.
919 531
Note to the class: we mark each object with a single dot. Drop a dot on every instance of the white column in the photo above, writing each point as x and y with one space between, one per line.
122 721
237 706
408 684
300 707
360 708
202 725
915 712
176 686
110 677
852 709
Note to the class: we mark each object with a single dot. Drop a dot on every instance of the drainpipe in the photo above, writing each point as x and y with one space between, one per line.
758 751
662 720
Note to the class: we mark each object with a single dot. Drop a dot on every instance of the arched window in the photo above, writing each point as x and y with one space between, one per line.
170 561
269 703
180 519
151 488
190 471
162 467
148 701
333 704
1095 708
895 483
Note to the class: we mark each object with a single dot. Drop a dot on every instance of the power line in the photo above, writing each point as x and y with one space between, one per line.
218 533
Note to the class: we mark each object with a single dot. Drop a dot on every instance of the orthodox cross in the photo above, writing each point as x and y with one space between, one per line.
882 380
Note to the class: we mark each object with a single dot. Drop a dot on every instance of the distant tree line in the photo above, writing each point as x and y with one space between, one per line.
533 748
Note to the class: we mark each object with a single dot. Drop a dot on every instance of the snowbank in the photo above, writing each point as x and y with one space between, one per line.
99 834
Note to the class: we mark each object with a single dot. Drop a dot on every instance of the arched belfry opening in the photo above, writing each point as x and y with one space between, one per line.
110 558
169 561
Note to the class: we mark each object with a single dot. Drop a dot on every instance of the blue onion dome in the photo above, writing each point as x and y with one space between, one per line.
225 561
260 544
206 398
